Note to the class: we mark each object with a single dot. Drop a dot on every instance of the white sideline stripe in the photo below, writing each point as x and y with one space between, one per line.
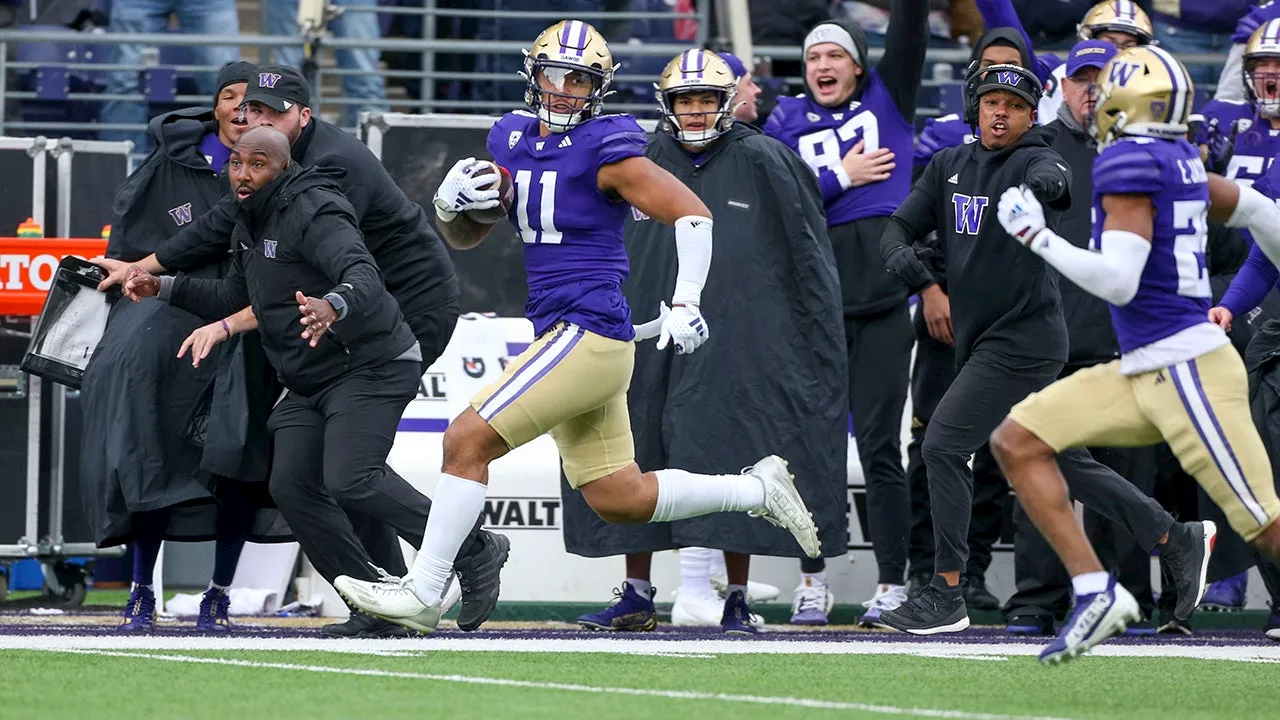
589 689
1265 651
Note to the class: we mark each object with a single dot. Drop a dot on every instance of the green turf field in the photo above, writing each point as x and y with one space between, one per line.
407 683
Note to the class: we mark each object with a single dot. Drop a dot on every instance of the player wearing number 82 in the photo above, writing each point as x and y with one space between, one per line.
1178 379
854 128
576 171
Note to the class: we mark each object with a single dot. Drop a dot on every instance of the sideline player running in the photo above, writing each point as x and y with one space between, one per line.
575 173
1178 378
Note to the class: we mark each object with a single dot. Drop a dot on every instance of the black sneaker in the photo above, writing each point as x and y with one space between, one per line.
935 608
478 577
978 597
1171 625
360 625
1185 559
1030 625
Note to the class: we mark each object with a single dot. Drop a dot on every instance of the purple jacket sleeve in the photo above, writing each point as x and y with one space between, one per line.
1000 13
1256 278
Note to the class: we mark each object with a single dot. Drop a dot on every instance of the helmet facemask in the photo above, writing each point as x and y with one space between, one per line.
554 92
720 119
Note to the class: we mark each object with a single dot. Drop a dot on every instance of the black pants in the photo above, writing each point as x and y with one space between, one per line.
330 453
1043 586
989 384
879 365
931 374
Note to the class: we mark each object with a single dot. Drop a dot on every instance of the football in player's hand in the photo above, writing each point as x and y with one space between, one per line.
506 195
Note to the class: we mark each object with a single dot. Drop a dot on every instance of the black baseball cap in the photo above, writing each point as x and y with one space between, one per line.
279 87
236 72
1012 78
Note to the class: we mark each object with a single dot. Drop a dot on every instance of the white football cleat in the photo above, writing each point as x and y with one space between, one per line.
391 599
782 503
701 609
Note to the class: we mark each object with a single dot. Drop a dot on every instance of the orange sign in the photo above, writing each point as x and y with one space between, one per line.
27 266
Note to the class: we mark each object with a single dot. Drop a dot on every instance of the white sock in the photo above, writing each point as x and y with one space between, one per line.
739 588
643 588
818 579
1090 583
457 504
695 575
717 564
683 495
222 588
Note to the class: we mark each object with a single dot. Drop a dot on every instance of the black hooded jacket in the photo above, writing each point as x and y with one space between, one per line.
174 185
1001 294
418 270
298 233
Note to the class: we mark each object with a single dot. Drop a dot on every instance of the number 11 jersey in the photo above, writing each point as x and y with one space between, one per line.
574 254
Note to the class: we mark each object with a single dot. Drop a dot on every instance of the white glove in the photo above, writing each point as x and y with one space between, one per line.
1020 214
685 328
652 328
461 190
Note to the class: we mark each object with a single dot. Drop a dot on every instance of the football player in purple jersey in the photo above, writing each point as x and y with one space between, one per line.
1178 379
576 171
1239 138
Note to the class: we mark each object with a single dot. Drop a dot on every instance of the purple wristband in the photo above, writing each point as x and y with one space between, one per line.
226 327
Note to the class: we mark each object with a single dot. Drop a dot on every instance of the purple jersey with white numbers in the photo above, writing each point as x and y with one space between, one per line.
572 231
1256 142
822 136
1174 292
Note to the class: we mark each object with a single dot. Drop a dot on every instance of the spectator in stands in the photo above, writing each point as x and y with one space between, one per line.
851 124
1197 26
772 376
419 274
208 17
365 85
137 461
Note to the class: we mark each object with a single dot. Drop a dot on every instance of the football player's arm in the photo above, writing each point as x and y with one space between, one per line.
658 194
1230 83
1113 274
1239 206
901 68
462 233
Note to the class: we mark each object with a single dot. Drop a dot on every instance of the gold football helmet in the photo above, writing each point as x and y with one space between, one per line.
1263 87
696 71
569 52
1143 91
1117 16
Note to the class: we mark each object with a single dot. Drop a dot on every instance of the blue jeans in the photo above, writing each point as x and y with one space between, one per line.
1181 40
282 19
212 17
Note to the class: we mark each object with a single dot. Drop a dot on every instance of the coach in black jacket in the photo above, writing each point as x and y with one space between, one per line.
351 367
1006 315
413 261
